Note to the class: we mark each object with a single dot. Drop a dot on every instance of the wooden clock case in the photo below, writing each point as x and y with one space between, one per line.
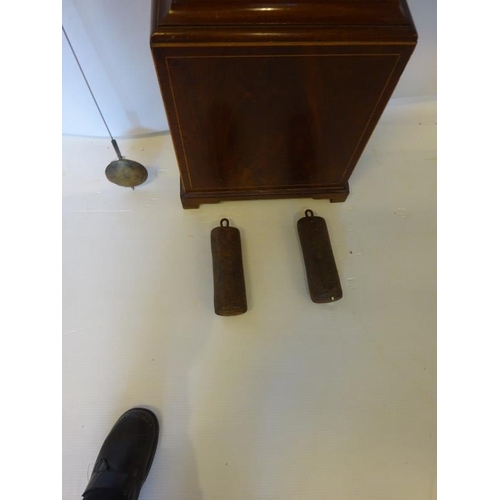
275 99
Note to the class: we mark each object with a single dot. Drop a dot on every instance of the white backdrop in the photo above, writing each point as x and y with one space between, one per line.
111 39
291 401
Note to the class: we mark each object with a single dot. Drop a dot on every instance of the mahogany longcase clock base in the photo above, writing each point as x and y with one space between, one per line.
278 99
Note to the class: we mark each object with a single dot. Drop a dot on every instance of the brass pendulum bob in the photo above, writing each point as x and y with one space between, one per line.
126 173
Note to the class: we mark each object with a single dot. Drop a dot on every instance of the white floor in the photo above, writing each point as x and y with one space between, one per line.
291 401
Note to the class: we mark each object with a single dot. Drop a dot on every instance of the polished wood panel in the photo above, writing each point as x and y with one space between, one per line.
267 115
260 133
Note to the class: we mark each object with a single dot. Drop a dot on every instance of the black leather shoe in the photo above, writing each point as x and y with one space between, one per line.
126 456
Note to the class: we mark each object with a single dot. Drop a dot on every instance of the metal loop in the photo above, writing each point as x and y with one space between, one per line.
309 213
224 223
